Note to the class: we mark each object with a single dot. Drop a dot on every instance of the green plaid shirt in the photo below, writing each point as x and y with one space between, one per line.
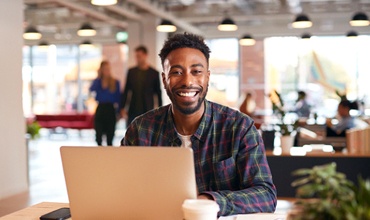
229 156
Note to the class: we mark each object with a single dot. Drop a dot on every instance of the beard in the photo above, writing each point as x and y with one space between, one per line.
186 108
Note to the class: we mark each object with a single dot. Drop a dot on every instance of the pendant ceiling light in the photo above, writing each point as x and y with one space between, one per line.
247 40
166 26
86 30
32 33
227 25
86 44
360 19
352 34
103 2
306 36
302 21
43 44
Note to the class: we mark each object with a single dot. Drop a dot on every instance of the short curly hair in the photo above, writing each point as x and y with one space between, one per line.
185 40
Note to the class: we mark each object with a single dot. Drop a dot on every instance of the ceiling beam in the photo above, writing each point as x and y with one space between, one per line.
86 11
124 12
270 17
155 10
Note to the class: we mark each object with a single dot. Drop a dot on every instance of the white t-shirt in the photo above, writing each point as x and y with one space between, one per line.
185 140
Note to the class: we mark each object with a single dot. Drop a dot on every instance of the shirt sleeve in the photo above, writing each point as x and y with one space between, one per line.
343 124
95 85
257 192
131 136
117 93
125 91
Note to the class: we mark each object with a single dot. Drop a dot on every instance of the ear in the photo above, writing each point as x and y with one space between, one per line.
164 80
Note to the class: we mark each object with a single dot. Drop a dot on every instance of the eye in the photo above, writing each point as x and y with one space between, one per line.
175 72
196 72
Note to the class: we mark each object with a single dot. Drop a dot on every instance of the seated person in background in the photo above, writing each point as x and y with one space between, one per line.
346 121
248 105
229 155
302 108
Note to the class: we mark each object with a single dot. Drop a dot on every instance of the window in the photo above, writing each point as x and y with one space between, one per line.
56 79
320 67
224 80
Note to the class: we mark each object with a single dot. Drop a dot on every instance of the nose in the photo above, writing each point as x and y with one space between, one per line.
187 79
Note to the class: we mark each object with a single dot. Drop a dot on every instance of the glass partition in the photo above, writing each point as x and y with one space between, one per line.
56 78
321 66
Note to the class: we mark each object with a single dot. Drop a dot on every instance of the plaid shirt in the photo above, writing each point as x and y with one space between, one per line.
229 155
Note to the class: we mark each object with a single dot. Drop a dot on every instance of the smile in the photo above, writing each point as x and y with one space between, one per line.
187 94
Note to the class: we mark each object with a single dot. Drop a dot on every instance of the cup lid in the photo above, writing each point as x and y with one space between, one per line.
200 204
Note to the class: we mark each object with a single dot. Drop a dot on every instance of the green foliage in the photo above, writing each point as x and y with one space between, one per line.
33 129
341 96
278 109
359 208
325 193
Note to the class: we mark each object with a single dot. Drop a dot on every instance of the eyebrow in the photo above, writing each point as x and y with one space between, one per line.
192 66
197 65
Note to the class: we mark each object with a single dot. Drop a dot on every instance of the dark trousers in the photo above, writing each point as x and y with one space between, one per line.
105 123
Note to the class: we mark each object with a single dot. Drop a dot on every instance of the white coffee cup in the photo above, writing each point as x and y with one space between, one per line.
200 209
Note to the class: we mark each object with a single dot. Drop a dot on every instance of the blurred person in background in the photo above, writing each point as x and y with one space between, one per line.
302 108
107 94
142 86
345 120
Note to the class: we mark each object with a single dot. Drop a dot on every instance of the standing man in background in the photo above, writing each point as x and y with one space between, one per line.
142 86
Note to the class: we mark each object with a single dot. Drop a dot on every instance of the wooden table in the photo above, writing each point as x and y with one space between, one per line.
34 212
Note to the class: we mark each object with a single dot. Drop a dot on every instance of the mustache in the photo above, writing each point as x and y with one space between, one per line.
187 88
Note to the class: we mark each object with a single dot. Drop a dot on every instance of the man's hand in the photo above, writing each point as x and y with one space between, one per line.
328 122
205 196
124 114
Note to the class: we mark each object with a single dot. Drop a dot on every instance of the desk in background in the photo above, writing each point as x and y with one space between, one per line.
282 167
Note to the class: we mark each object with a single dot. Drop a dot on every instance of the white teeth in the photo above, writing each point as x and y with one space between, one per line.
187 94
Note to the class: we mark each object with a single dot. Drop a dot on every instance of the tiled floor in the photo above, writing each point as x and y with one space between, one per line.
46 175
45 169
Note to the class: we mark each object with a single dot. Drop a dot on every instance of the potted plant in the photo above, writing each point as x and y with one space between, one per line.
287 129
33 129
325 194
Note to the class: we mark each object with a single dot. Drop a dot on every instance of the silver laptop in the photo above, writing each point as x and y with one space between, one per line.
128 182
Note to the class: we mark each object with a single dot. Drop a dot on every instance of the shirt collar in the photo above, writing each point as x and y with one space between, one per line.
172 133
202 129
203 125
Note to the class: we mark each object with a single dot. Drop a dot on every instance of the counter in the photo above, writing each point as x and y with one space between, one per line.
282 167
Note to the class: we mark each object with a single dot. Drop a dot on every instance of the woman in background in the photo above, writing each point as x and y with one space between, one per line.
107 91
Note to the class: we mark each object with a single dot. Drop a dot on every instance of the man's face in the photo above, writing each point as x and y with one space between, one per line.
185 79
342 111
105 69
140 57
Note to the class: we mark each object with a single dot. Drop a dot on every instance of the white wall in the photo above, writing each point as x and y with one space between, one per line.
13 157
145 33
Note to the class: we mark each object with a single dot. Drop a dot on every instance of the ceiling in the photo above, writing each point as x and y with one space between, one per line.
59 20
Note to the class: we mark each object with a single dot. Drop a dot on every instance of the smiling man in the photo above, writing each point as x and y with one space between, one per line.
229 155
